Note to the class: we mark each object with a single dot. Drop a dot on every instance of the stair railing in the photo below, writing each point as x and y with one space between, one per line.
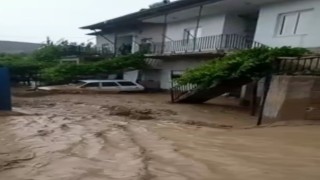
180 90
297 65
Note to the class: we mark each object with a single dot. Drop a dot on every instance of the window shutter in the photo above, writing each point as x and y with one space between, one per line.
304 22
289 23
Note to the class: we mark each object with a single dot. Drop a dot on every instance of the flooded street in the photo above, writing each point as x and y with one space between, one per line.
143 137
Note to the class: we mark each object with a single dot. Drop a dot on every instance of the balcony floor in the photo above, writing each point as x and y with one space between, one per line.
187 55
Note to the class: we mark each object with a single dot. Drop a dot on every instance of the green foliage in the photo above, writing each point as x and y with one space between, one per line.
22 67
44 64
48 53
65 73
51 52
246 64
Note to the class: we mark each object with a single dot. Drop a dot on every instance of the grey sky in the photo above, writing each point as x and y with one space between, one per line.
33 20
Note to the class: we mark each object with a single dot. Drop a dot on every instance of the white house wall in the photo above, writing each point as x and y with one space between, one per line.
234 25
175 65
211 25
151 31
101 40
268 20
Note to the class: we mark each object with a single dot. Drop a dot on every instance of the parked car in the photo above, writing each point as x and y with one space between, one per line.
100 85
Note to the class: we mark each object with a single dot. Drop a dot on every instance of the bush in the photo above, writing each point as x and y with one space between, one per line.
65 73
22 68
252 63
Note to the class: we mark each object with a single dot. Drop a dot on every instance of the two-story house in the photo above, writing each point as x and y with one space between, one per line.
185 33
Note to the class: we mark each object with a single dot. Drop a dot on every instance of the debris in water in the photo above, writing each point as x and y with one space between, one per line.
120 111
43 132
64 127
98 134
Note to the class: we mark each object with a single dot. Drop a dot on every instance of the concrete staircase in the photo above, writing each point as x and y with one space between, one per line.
195 94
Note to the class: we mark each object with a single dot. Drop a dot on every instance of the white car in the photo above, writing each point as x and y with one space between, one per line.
101 85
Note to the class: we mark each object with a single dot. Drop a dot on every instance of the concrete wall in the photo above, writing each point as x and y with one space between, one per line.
175 65
269 17
211 25
293 98
162 70
131 75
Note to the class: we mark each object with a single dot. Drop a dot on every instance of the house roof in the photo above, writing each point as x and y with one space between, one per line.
133 18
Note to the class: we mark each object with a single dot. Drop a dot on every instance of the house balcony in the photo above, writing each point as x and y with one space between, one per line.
216 44
83 52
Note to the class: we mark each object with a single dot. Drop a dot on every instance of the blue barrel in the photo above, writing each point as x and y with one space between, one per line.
5 92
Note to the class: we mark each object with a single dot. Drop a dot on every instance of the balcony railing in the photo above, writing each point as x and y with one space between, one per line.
203 44
86 51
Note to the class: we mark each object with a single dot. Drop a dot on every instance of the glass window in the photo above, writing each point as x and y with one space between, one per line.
92 85
294 23
109 84
126 83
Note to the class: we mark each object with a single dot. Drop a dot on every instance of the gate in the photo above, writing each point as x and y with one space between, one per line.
5 93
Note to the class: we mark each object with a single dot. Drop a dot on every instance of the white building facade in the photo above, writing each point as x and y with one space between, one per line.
181 36
290 23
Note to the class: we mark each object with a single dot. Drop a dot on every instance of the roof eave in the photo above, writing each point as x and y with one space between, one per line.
151 12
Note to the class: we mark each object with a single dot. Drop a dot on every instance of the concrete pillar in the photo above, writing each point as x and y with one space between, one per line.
246 93
293 98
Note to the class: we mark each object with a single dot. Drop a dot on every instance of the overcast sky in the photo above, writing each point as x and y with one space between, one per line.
34 20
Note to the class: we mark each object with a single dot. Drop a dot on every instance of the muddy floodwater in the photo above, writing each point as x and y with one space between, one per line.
143 137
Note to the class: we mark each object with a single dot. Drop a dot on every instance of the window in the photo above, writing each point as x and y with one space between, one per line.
294 23
190 34
92 85
176 74
109 84
126 83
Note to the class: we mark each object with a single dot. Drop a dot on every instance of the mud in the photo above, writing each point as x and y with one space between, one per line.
143 137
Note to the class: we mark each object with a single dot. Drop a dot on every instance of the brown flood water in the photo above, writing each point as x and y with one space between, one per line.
74 137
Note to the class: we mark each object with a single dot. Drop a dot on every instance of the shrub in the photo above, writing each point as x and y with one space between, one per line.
252 63
65 73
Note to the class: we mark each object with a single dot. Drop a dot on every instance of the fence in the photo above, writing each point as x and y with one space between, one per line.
298 66
207 43
86 51
180 90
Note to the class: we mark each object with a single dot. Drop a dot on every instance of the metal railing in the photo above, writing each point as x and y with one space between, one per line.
207 43
180 90
283 66
298 65
86 51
